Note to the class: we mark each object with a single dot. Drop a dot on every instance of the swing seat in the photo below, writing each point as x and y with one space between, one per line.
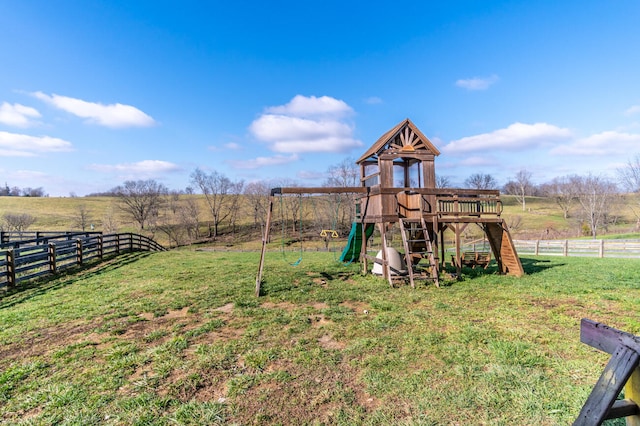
326 232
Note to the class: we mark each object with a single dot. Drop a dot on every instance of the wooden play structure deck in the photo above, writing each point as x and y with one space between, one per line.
398 186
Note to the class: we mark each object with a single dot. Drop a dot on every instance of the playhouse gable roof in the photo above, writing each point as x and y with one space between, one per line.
404 137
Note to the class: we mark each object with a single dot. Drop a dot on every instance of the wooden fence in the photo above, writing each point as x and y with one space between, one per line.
586 248
35 257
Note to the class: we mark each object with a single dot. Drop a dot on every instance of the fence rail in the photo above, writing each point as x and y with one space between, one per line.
586 248
48 254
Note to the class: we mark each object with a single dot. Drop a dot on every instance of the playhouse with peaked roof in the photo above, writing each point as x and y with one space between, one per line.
398 187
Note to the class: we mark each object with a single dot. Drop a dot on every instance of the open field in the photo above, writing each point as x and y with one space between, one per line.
178 338
541 220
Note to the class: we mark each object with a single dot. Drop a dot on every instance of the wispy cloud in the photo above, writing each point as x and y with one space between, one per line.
17 115
373 100
515 137
601 144
145 168
19 145
112 115
477 83
306 124
632 110
256 163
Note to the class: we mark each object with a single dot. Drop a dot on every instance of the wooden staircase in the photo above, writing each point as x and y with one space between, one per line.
417 246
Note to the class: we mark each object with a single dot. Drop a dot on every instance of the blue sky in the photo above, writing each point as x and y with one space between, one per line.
93 93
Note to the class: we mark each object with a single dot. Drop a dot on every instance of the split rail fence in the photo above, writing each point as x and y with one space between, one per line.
48 253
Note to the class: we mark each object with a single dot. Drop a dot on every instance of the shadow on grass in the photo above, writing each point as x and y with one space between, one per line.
530 266
32 288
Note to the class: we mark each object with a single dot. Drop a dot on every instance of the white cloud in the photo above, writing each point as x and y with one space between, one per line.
258 162
303 106
515 137
601 144
233 146
373 100
112 115
306 125
141 168
632 110
477 83
17 115
310 175
19 145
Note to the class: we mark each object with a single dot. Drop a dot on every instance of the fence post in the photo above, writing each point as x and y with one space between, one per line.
51 258
565 251
537 249
601 251
117 243
100 247
79 251
11 268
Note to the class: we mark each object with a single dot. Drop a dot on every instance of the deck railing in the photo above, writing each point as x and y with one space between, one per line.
32 258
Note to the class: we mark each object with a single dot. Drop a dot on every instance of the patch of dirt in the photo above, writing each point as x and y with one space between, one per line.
285 306
328 342
180 313
46 340
357 307
226 309
313 395
319 320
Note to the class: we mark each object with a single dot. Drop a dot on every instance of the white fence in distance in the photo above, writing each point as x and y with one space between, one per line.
585 248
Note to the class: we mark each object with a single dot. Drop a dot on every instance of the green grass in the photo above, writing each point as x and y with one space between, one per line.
178 338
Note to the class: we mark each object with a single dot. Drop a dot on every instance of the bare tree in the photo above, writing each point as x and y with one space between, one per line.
629 175
109 222
443 182
141 199
218 191
596 197
257 195
81 217
17 222
342 175
520 187
481 181
563 190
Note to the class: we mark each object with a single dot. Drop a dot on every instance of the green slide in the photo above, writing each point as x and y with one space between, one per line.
351 251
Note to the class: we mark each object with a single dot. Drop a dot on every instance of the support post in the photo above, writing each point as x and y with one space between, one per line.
79 251
11 268
51 258
265 238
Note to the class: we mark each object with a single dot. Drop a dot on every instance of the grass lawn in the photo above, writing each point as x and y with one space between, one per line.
178 338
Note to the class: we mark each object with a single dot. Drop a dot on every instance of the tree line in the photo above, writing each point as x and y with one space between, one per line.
590 200
15 191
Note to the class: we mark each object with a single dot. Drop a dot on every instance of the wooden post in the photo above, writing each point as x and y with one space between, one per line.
537 250
100 247
601 251
265 238
385 260
117 243
565 249
79 251
363 249
51 258
11 269
621 371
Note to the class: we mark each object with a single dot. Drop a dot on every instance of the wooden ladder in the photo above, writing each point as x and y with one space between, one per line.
417 245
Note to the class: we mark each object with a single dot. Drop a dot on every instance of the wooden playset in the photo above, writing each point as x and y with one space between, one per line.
398 186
